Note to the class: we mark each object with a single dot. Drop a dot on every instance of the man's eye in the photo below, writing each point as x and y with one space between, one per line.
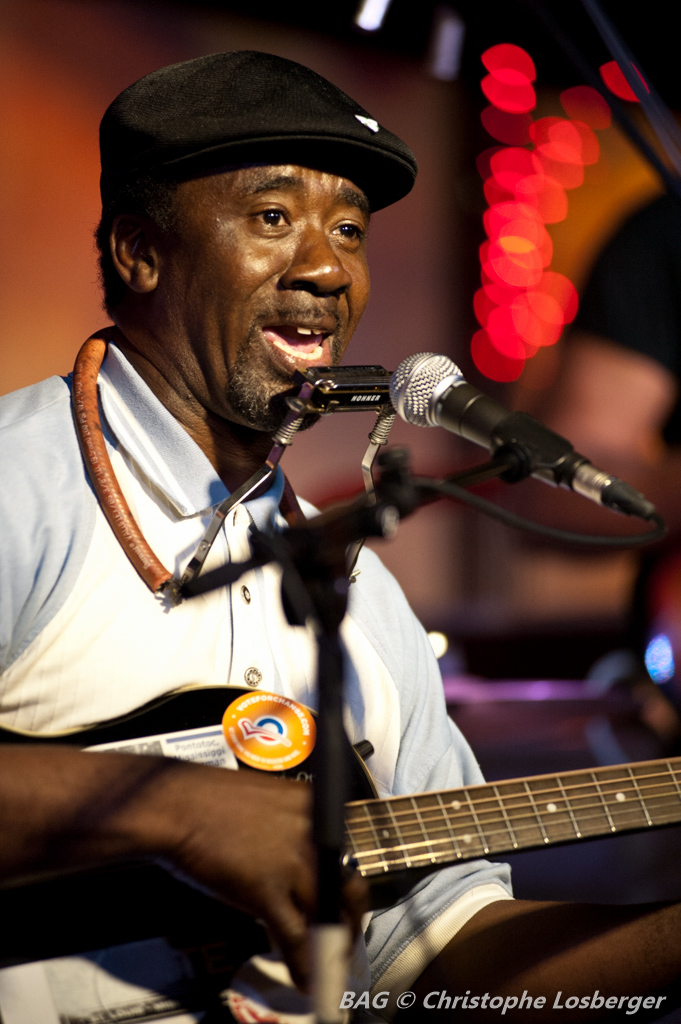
272 217
351 232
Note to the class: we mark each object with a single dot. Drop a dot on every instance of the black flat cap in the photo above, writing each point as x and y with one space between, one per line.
248 107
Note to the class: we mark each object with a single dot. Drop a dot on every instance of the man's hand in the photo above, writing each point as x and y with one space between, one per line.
241 834
247 837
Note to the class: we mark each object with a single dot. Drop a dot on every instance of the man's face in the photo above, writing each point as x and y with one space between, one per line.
266 274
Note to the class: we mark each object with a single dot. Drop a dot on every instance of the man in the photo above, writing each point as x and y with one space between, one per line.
616 395
237 190
624 353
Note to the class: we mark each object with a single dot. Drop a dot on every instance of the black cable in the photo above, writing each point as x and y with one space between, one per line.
446 488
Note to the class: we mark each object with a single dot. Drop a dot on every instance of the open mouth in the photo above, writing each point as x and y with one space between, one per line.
302 344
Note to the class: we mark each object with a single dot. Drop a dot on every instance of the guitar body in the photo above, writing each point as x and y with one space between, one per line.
130 902
392 841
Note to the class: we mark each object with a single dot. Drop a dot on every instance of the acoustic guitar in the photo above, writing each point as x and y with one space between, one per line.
391 841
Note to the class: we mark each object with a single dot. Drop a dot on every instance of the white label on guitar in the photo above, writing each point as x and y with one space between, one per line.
203 746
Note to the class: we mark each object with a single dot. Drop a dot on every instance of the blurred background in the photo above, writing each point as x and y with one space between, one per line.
63 61
512 611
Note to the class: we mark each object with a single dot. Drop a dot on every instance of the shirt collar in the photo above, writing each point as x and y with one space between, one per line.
162 448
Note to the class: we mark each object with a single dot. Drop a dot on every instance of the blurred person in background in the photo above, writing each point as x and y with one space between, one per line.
616 396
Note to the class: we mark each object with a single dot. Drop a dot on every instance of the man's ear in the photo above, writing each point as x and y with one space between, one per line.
134 253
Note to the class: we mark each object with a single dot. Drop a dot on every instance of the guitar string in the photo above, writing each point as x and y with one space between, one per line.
407 853
516 814
491 833
507 783
443 851
622 784
450 852
551 822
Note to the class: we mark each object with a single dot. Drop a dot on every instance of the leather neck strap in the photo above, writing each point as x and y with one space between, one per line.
98 464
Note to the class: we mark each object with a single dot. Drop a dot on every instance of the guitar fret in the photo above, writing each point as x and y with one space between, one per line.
640 796
398 833
470 843
662 798
536 811
672 772
481 834
556 822
613 827
518 820
377 843
575 825
507 820
423 829
373 830
452 834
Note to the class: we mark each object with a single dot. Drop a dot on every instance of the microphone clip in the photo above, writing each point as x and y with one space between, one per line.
534 450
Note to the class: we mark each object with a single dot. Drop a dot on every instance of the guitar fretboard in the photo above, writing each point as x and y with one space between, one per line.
461 824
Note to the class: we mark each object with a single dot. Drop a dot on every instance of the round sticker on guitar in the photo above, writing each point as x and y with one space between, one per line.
268 731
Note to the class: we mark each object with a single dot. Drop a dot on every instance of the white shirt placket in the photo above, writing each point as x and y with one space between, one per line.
252 663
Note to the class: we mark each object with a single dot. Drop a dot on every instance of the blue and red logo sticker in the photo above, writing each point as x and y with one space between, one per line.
269 731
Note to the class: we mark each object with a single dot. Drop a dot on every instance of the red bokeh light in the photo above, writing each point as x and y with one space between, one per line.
511 164
521 306
495 194
508 56
483 304
558 139
512 261
591 149
521 219
640 77
537 318
586 104
498 292
513 129
504 335
492 363
613 77
532 231
545 194
568 175
509 91
560 288
541 238
500 214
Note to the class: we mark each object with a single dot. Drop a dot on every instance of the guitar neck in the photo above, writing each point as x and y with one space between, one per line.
434 829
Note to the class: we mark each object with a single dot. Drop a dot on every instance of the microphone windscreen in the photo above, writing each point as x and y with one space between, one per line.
416 380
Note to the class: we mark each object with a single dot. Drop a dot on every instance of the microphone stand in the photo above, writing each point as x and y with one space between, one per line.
315 589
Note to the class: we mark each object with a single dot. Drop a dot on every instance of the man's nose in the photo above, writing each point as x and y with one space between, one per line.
316 267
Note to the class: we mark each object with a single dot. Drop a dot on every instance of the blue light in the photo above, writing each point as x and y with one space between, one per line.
659 659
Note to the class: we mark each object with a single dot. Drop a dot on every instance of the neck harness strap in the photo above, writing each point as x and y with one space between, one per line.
116 509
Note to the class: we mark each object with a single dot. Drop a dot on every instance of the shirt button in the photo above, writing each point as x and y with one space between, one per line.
253 676
246 595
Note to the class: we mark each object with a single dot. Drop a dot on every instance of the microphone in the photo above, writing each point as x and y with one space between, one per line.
429 390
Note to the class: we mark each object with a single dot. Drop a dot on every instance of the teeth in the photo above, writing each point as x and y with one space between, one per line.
304 330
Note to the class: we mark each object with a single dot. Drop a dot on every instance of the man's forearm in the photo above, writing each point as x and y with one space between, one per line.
543 949
62 808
